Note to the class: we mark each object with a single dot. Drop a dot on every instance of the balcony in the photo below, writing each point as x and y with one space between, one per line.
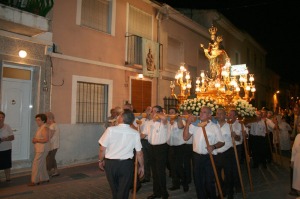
22 22
137 49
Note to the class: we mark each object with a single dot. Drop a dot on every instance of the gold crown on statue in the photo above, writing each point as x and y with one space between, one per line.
213 30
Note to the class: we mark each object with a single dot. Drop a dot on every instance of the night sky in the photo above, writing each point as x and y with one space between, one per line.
274 24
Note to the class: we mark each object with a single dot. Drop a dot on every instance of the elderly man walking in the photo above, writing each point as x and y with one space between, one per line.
116 153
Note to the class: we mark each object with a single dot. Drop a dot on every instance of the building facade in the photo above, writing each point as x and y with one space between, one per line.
87 59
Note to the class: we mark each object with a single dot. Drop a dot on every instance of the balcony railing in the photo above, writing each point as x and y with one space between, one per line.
135 51
38 7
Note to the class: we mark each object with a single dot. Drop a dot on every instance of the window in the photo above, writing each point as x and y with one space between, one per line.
96 14
140 23
175 52
91 99
91 102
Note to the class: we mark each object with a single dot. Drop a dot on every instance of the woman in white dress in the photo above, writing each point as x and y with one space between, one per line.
41 143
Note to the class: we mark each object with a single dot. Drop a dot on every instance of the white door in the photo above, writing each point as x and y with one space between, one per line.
16 96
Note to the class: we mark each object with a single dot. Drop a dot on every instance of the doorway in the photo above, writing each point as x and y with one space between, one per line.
140 94
16 104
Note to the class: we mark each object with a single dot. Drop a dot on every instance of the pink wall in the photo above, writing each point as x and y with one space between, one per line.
93 46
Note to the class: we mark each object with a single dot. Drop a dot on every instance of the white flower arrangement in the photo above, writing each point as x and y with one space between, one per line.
244 109
194 105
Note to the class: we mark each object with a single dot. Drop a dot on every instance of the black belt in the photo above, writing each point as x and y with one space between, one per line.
201 154
118 159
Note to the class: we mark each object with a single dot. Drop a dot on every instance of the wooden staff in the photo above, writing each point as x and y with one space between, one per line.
237 161
211 159
135 177
247 156
277 149
136 166
268 135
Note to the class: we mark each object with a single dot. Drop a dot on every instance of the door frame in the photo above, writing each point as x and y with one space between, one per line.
22 67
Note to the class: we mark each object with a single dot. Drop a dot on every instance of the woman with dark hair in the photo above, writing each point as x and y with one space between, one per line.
6 136
41 145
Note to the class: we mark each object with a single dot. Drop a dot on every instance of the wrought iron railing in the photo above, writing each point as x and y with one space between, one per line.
134 51
170 102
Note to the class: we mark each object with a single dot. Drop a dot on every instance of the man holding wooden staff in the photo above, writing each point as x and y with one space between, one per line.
157 133
116 152
237 128
269 127
225 159
205 140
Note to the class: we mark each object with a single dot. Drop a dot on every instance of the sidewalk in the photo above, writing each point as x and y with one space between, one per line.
86 181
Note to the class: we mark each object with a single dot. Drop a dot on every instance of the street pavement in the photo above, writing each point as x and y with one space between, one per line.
87 181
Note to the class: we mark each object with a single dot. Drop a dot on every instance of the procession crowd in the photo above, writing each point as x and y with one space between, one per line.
206 149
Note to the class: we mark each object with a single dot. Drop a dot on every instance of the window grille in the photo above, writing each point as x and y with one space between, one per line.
91 102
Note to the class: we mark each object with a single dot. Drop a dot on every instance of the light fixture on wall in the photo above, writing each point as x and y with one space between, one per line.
140 76
22 53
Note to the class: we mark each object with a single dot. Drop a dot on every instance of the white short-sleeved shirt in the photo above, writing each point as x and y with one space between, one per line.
190 141
175 134
120 141
225 129
270 124
157 132
145 122
5 131
257 128
214 135
237 128
54 142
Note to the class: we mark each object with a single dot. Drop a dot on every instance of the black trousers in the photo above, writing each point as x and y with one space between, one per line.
224 161
119 175
146 151
259 150
204 178
158 161
187 162
176 154
236 179
269 141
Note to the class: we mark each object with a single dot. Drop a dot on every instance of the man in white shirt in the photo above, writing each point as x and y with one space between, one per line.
204 178
146 146
116 154
259 144
176 151
157 133
225 157
238 133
